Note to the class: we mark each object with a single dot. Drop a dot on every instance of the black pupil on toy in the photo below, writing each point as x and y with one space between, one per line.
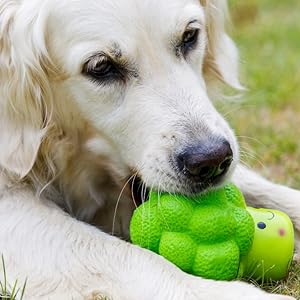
261 225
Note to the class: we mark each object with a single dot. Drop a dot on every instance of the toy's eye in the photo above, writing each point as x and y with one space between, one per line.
261 225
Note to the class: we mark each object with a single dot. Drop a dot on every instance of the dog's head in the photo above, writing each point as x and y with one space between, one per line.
139 73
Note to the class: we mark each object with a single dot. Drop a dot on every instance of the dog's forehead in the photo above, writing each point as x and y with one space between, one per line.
118 20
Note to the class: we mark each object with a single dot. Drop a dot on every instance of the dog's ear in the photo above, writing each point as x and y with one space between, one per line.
25 96
222 59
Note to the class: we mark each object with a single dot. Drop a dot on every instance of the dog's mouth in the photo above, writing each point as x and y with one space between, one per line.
139 191
189 187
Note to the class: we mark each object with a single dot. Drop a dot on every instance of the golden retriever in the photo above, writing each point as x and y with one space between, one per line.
94 94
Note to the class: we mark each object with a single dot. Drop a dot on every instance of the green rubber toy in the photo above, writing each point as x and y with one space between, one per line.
215 235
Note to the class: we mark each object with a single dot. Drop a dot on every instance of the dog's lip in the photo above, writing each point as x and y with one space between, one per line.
140 192
200 188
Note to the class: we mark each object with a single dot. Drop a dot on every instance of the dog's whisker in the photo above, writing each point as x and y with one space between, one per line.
251 139
253 159
118 201
247 154
245 148
245 163
144 195
231 111
143 190
159 201
250 154
132 189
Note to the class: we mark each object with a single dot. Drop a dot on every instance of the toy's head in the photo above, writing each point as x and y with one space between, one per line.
215 235
273 245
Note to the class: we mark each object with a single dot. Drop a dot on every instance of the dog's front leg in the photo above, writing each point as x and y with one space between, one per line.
67 259
260 192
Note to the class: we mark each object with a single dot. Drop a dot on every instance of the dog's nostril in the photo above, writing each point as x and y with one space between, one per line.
203 171
224 165
206 171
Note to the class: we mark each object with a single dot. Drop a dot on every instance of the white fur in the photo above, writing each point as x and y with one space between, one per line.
68 144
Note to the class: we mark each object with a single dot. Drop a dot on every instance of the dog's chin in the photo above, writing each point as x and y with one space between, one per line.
140 190
193 190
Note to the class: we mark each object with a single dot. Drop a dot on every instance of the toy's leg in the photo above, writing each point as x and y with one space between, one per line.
260 192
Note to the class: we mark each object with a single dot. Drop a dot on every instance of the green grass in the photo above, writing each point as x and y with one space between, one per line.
267 119
8 292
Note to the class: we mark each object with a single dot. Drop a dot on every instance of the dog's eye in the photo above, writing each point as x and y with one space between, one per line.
101 69
189 40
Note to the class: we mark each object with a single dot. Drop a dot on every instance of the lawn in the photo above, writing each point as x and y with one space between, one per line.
267 118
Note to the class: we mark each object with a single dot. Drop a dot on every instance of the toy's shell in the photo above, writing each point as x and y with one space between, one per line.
204 236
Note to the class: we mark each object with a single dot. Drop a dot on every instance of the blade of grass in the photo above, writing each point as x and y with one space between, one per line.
23 289
14 292
4 275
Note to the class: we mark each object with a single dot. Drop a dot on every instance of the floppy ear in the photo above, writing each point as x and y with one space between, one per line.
222 59
25 94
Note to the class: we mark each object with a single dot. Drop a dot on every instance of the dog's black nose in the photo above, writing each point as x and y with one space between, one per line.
206 161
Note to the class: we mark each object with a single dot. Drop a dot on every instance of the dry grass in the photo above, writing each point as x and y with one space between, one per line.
291 286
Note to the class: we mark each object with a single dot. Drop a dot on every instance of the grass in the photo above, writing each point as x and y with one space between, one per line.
290 286
267 119
8 292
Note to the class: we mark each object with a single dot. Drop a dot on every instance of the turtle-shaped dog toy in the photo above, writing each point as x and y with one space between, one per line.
215 235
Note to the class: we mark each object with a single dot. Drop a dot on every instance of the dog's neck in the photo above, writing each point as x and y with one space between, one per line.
85 183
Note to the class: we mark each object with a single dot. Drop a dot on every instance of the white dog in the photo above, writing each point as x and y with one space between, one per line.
93 94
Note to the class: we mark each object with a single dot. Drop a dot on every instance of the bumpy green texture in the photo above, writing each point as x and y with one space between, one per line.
206 236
